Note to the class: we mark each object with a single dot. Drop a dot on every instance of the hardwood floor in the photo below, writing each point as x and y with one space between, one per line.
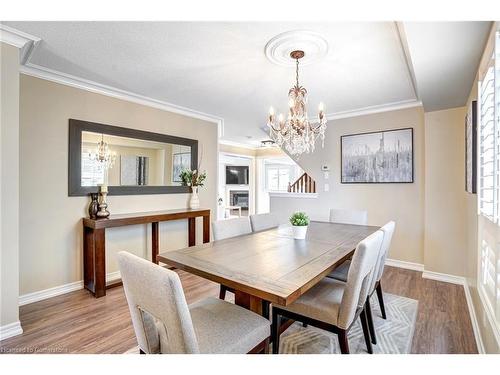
78 323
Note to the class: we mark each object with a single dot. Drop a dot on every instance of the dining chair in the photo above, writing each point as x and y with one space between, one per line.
264 221
341 272
164 323
333 305
356 217
223 229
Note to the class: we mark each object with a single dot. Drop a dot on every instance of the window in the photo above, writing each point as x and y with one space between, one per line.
278 176
488 147
489 185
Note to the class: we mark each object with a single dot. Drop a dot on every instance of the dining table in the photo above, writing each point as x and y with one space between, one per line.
271 265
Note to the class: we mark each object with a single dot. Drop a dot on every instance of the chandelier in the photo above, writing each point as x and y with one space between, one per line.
297 134
102 155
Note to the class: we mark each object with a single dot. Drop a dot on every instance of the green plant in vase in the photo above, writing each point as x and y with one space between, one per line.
194 179
300 222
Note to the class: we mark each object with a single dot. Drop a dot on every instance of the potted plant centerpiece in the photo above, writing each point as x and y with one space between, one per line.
194 179
299 221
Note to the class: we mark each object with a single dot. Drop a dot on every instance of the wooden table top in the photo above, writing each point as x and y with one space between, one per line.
270 264
118 220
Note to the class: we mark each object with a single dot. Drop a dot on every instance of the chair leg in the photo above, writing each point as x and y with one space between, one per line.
222 292
265 309
266 347
366 333
380 296
369 317
344 344
275 331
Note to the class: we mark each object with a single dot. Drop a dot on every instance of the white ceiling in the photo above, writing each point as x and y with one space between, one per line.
445 58
221 69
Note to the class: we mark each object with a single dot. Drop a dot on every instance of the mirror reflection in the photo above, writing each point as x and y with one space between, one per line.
123 161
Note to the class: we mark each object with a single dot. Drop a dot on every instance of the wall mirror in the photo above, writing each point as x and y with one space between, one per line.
129 161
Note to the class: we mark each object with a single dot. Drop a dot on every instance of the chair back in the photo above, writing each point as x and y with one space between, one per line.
264 221
231 228
357 217
388 230
158 307
359 277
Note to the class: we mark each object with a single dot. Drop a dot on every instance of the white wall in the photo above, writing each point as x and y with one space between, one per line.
403 203
9 189
51 247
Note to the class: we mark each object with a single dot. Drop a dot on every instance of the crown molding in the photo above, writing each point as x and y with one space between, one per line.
48 74
374 109
25 42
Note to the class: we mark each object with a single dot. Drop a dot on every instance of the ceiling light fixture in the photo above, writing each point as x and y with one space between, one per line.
297 135
103 155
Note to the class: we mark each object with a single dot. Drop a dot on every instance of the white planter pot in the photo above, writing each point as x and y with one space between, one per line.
299 233
194 201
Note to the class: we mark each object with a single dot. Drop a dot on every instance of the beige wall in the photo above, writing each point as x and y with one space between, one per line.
9 184
51 253
445 211
403 203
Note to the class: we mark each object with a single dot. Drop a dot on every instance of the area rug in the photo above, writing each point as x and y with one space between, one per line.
394 335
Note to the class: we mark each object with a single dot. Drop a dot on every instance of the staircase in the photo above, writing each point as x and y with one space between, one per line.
304 184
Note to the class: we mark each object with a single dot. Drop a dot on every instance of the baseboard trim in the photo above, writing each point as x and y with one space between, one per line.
473 319
403 264
460 280
10 330
28 298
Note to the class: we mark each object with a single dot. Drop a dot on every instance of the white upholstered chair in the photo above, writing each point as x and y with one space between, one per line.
223 229
357 217
264 221
164 323
334 305
341 272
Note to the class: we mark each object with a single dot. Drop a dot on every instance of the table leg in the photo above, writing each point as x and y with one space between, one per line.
248 301
206 228
192 231
94 261
155 242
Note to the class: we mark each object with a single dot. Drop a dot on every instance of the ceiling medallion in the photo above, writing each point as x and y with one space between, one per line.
296 134
278 49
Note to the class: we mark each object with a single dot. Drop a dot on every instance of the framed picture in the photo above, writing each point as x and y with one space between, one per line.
377 157
180 161
471 149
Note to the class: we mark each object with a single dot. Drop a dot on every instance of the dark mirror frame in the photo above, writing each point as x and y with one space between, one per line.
76 127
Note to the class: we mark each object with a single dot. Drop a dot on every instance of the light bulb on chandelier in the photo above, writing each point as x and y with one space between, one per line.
297 135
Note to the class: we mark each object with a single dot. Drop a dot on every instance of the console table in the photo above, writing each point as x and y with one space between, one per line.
94 239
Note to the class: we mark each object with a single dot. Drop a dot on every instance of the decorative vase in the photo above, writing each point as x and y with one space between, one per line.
103 205
194 201
93 205
299 233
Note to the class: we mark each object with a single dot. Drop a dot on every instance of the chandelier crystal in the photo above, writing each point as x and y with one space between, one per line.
103 155
297 134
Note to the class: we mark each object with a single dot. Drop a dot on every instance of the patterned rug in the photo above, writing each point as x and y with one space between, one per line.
394 335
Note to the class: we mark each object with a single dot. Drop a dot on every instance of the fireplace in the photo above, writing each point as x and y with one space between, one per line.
239 198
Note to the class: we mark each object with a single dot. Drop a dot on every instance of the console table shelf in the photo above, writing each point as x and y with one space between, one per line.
94 240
